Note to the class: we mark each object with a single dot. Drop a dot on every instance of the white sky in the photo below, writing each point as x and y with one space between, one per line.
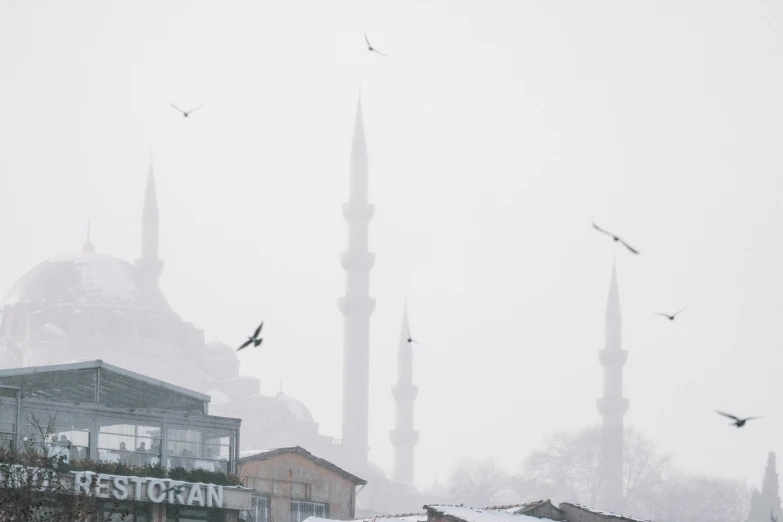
497 130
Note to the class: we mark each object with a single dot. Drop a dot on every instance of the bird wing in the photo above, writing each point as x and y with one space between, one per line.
602 230
377 51
194 110
367 40
180 110
258 330
680 310
245 344
629 247
751 418
659 313
726 415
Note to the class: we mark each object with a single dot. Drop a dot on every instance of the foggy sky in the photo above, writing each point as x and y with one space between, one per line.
496 131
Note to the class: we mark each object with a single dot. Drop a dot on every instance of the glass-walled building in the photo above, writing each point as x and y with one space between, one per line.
97 411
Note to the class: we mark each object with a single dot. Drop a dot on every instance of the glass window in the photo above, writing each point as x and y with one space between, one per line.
130 441
259 510
56 433
125 511
177 513
7 425
302 509
193 447
123 391
72 386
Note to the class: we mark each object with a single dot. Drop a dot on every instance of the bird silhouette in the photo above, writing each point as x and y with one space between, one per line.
616 239
737 421
671 317
370 47
186 113
254 340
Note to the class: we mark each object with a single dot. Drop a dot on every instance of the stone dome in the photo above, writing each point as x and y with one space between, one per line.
50 334
300 411
217 349
86 277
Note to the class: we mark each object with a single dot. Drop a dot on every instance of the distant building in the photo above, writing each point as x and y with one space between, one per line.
292 484
99 412
530 512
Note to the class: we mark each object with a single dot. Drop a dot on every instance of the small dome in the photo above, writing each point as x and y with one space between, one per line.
217 349
50 334
300 411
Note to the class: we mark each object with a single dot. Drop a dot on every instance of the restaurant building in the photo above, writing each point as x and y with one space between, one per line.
95 412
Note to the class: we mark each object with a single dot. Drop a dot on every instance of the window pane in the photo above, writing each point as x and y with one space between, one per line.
132 442
192 447
56 433
119 390
72 386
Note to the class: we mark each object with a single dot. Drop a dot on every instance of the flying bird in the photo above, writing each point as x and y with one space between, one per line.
671 317
254 340
616 239
370 47
186 113
737 421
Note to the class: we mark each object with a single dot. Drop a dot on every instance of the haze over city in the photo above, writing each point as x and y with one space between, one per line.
496 133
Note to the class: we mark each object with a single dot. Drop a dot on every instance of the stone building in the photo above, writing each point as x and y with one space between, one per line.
292 484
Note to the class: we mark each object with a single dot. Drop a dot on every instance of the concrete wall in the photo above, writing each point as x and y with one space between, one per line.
289 476
545 510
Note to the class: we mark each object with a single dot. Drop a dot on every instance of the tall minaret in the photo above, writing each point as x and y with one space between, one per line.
149 265
403 436
612 406
356 307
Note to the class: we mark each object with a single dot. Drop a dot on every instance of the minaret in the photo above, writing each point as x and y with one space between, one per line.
149 265
612 406
403 436
356 307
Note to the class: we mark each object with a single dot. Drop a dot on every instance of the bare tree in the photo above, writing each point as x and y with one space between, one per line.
473 482
34 486
569 466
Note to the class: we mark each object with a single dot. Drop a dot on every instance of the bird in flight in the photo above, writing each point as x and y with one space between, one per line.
616 239
370 47
186 113
737 421
671 317
254 340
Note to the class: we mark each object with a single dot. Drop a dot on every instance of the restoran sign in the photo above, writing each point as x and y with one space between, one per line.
156 490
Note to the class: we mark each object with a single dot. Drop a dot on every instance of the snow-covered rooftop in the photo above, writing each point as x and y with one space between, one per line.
406 517
468 514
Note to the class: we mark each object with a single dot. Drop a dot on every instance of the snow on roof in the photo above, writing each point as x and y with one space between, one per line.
468 514
406 517
603 513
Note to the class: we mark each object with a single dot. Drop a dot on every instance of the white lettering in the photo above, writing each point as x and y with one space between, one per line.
214 496
120 491
137 482
102 484
176 488
161 496
81 482
195 496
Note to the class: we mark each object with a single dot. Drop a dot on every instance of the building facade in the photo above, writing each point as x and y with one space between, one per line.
95 414
292 484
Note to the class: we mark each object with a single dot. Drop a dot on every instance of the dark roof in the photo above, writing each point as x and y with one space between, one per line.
298 450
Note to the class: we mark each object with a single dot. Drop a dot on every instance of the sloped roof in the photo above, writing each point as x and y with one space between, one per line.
298 450
615 516
467 514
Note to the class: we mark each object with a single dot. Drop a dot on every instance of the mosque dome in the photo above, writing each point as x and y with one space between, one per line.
85 277
217 349
50 334
300 411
